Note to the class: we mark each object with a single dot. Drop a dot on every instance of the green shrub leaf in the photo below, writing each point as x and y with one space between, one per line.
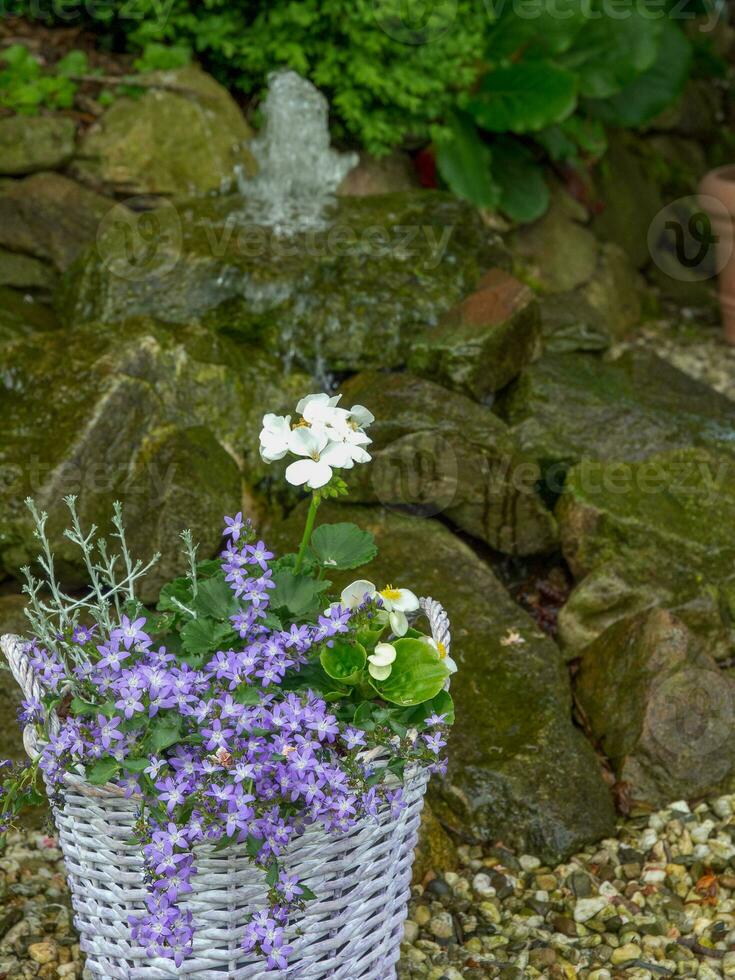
205 635
215 599
524 97
298 594
103 771
418 674
524 193
342 546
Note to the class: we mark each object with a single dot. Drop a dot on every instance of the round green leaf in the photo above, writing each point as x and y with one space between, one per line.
610 52
342 546
344 661
464 160
540 32
524 191
418 674
524 97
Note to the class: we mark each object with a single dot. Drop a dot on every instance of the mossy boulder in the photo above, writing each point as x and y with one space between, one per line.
484 342
166 422
435 851
558 252
569 407
661 709
519 770
50 217
343 297
437 452
32 143
569 322
25 272
21 315
184 135
655 532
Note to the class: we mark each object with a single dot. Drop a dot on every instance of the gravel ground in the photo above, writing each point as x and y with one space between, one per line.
657 901
692 346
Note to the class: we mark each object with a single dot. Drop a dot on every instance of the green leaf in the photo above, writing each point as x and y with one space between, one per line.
442 704
215 599
342 546
298 594
522 180
81 707
344 661
524 97
611 51
174 595
647 95
201 636
307 895
368 638
549 30
165 731
136 765
464 161
418 674
247 694
271 876
103 771
73 63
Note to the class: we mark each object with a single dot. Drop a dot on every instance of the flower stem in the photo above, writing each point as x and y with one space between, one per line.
310 518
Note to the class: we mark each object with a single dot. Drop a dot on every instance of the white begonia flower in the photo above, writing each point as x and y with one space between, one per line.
274 437
443 655
361 417
380 662
356 592
320 455
396 603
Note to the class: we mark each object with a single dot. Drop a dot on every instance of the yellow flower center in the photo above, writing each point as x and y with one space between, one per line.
442 649
390 593
301 424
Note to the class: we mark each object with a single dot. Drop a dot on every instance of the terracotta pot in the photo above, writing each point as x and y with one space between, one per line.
717 199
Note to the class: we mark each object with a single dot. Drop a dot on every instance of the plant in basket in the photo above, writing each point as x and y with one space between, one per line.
254 703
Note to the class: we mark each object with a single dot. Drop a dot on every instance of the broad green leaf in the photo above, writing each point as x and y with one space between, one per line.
247 694
174 595
363 717
73 63
215 599
442 704
524 97
464 161
647 95
136 765
81 707
201 636
165 731
103 770
342 546
343 661
522 180
418 674
611 51
298 594
368 638
541 31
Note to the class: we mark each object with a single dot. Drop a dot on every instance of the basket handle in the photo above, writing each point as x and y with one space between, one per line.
438 620
14 650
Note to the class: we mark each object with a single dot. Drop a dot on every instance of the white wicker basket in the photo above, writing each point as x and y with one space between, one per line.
351 931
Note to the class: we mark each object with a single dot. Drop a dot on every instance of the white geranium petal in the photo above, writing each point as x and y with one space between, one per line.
305 441
362 416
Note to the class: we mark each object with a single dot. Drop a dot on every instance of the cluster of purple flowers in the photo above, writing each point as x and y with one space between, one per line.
249 762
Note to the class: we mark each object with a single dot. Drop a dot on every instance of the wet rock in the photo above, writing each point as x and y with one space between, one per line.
32 143
652 532
25 272
21 315
558 252
435 851
526 777
341 298
386 175
166 422
614 290
661 708
168 142
568 407
436 452
50 217
631 196
483 343
569 322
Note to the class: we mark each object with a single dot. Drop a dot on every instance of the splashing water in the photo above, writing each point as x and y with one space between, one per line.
299 171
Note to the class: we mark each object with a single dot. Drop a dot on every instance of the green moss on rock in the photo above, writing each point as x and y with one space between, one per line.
32 143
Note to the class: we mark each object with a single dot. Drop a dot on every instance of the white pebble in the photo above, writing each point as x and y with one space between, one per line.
481 884
529 863
587 908
723 807
700 832
680 806
653 875
648 839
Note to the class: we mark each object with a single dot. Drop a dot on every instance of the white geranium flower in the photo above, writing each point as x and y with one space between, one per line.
354 440
274 437
320 455
380 662
322 410
354 594
443 655
396 603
